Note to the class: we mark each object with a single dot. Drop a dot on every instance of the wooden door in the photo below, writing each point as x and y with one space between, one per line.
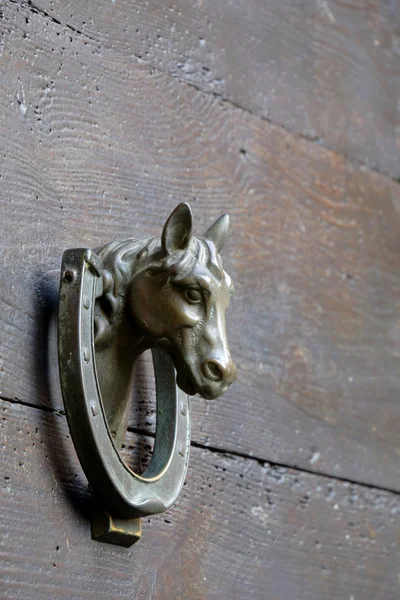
284 114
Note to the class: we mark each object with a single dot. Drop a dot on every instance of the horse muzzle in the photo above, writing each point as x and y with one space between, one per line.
210 381
218 375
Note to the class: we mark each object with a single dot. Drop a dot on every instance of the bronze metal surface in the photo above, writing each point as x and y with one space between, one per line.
166 294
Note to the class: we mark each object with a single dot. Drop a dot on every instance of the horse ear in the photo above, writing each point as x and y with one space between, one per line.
218 231
177 231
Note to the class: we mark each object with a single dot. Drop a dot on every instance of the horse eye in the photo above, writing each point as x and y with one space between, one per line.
193 296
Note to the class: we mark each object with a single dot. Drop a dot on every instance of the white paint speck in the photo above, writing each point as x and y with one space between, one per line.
260 514
324 7
20 96
315 458
336 507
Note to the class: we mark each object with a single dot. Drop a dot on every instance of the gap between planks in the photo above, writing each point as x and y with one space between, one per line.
28 4
221 451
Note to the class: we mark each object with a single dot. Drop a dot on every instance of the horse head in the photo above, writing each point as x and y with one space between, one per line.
178 301
167 292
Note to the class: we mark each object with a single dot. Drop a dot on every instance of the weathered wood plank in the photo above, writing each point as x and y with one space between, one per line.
96 148
239 530
329 70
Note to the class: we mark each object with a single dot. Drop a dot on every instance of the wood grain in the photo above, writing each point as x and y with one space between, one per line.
327 69
97 147
241 529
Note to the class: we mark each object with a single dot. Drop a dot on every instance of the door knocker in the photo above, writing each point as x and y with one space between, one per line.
166 294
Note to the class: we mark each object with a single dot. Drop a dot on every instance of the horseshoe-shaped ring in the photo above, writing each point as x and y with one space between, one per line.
124 493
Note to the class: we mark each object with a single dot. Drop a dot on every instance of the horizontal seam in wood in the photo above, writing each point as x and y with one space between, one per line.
48 409
228 453
296 134
265 462
43 13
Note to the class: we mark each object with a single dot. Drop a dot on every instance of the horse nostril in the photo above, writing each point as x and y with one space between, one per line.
212 370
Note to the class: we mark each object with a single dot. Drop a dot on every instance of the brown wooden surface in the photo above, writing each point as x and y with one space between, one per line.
100 137
240 529
327 69
98 147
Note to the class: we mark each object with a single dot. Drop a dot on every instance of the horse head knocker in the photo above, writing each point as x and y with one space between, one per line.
168 294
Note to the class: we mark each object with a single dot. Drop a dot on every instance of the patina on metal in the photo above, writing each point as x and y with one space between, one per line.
166 294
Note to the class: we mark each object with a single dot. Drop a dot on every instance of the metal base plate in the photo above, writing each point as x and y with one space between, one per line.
122 532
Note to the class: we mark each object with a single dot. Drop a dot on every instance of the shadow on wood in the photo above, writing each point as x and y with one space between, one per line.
46 381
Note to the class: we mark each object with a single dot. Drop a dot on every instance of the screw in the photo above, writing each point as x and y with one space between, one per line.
69 275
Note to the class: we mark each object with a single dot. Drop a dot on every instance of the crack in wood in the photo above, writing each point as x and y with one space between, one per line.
313 139
221 451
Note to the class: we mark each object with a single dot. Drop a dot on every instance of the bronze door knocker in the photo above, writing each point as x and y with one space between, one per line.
166 294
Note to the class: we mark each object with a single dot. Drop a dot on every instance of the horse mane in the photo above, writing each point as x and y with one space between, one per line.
123 260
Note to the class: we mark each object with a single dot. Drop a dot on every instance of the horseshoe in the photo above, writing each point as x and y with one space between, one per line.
125 494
